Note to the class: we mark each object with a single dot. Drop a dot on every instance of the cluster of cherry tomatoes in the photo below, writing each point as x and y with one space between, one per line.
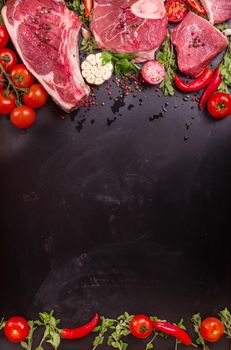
19 94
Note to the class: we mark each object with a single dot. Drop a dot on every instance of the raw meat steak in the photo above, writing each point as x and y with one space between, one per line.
218 10
45 34
130 25
197 43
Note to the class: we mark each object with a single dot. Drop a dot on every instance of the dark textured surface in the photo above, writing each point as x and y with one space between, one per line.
133 216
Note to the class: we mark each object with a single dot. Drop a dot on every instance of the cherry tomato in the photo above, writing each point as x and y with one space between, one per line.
4 36
36 97
7 101
141 326
21 76
212 329
22 117
176 10
16 329
8 58
219 105
153 72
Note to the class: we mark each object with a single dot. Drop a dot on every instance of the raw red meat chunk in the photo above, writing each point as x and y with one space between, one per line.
197 43
45 34
129 25
217 10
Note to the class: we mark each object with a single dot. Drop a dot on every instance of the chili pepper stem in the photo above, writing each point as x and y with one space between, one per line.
176 344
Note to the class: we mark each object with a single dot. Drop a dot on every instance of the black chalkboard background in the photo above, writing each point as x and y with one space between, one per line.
116 209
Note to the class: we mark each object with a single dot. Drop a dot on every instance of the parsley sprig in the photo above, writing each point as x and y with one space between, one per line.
167 57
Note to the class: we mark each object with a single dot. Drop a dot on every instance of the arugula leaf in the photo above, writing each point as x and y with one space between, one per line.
167 57
122 62
106 57
225 316
196 321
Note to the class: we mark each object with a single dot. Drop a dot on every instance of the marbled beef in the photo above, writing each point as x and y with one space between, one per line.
45 34
129 25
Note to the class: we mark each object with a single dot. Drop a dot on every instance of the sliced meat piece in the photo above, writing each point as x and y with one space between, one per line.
197 43
129 25
45 34
218 10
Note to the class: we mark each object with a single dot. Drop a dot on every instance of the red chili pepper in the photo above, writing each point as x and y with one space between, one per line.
88 4
196 6
173 330
80 332
202 81
211 88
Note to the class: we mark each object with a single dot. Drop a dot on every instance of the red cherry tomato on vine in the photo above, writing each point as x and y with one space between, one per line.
212 329
8 58
21 76
7 101
219 105
16 329
23 117
141 326
36 97
176 10
4 36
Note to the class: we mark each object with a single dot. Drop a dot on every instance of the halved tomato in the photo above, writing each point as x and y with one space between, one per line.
176 10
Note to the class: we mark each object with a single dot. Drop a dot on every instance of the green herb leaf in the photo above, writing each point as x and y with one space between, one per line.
2 323
122 63
23 344
225 316
225 68
106 57
222 26
106 324
121 329
88 45
196 321
128 56
181 325
167 57
77 6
